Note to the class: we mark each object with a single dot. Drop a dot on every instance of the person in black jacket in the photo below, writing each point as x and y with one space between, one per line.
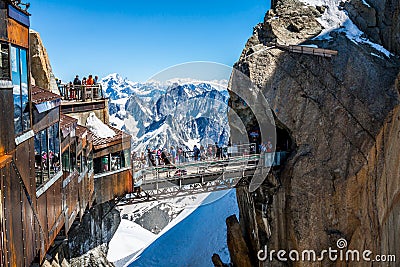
77 81
218 153
152 160
196 153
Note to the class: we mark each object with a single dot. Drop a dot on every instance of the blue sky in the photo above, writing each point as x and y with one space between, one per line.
140 38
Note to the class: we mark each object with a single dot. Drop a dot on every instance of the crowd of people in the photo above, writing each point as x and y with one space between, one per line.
73 89
172 156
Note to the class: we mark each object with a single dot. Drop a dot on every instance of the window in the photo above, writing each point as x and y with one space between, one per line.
127 158
90 161
69 159
72 154
101 164
116 161
19 71
54 149
41 159
47 151
79 163
66 166
112 162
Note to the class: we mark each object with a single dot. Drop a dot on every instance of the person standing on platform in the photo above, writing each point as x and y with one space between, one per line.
173 154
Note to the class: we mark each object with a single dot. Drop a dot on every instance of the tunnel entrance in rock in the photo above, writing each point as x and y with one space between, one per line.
284 143
283 140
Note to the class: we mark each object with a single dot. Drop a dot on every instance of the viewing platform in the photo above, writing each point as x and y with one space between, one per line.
79 100
194 177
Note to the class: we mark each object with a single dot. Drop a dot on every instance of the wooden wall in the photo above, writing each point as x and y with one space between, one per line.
112 186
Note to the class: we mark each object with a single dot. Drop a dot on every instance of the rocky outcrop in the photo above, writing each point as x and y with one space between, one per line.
87 241
342 179
94 232
41 70
238 249
380 20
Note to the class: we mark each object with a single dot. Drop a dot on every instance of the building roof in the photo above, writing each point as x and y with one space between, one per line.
44 100
81 131
40 95
67 124
119 137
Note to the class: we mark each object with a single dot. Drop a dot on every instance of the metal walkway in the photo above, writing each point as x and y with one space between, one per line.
195 177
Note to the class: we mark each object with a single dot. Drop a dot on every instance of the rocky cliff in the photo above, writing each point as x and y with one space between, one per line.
86 244
41 71
342 115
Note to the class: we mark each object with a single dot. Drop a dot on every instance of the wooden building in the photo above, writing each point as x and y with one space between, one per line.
49 164
112 166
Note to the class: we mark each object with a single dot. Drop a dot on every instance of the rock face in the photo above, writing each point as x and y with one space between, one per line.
380 20
41 70
87 242
342 179
237 246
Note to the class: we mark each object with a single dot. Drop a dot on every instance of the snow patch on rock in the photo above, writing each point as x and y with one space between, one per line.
335 18
98 128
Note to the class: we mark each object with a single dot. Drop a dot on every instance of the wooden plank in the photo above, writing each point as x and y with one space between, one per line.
23 160
7 142
17 33
43 121
29 234
14 219
3 242
109 148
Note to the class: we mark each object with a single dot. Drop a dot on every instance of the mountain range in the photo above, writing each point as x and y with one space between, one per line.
178 112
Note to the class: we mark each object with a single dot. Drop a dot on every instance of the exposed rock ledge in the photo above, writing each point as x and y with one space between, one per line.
41 71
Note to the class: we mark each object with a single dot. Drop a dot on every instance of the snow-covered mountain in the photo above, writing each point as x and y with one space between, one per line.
177 112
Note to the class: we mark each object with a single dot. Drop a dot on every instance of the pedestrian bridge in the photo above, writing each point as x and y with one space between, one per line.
195 177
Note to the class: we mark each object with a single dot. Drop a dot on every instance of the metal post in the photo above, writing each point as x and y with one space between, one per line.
83 93
157 174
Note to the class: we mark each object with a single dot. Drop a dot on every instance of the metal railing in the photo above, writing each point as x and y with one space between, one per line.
209 153
167 181
81 92
210 173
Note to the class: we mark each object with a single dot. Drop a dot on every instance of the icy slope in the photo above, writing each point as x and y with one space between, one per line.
189 239
194 239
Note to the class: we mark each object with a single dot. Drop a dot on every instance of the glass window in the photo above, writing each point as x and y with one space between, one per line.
54 149
41 158
26 123
72 153
79 165
66 161
90 161
19 77
116 161
38 160
16 81
102 164
47 151
127 158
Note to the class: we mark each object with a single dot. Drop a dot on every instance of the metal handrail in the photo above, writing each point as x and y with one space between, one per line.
150 174
227 152
81 92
